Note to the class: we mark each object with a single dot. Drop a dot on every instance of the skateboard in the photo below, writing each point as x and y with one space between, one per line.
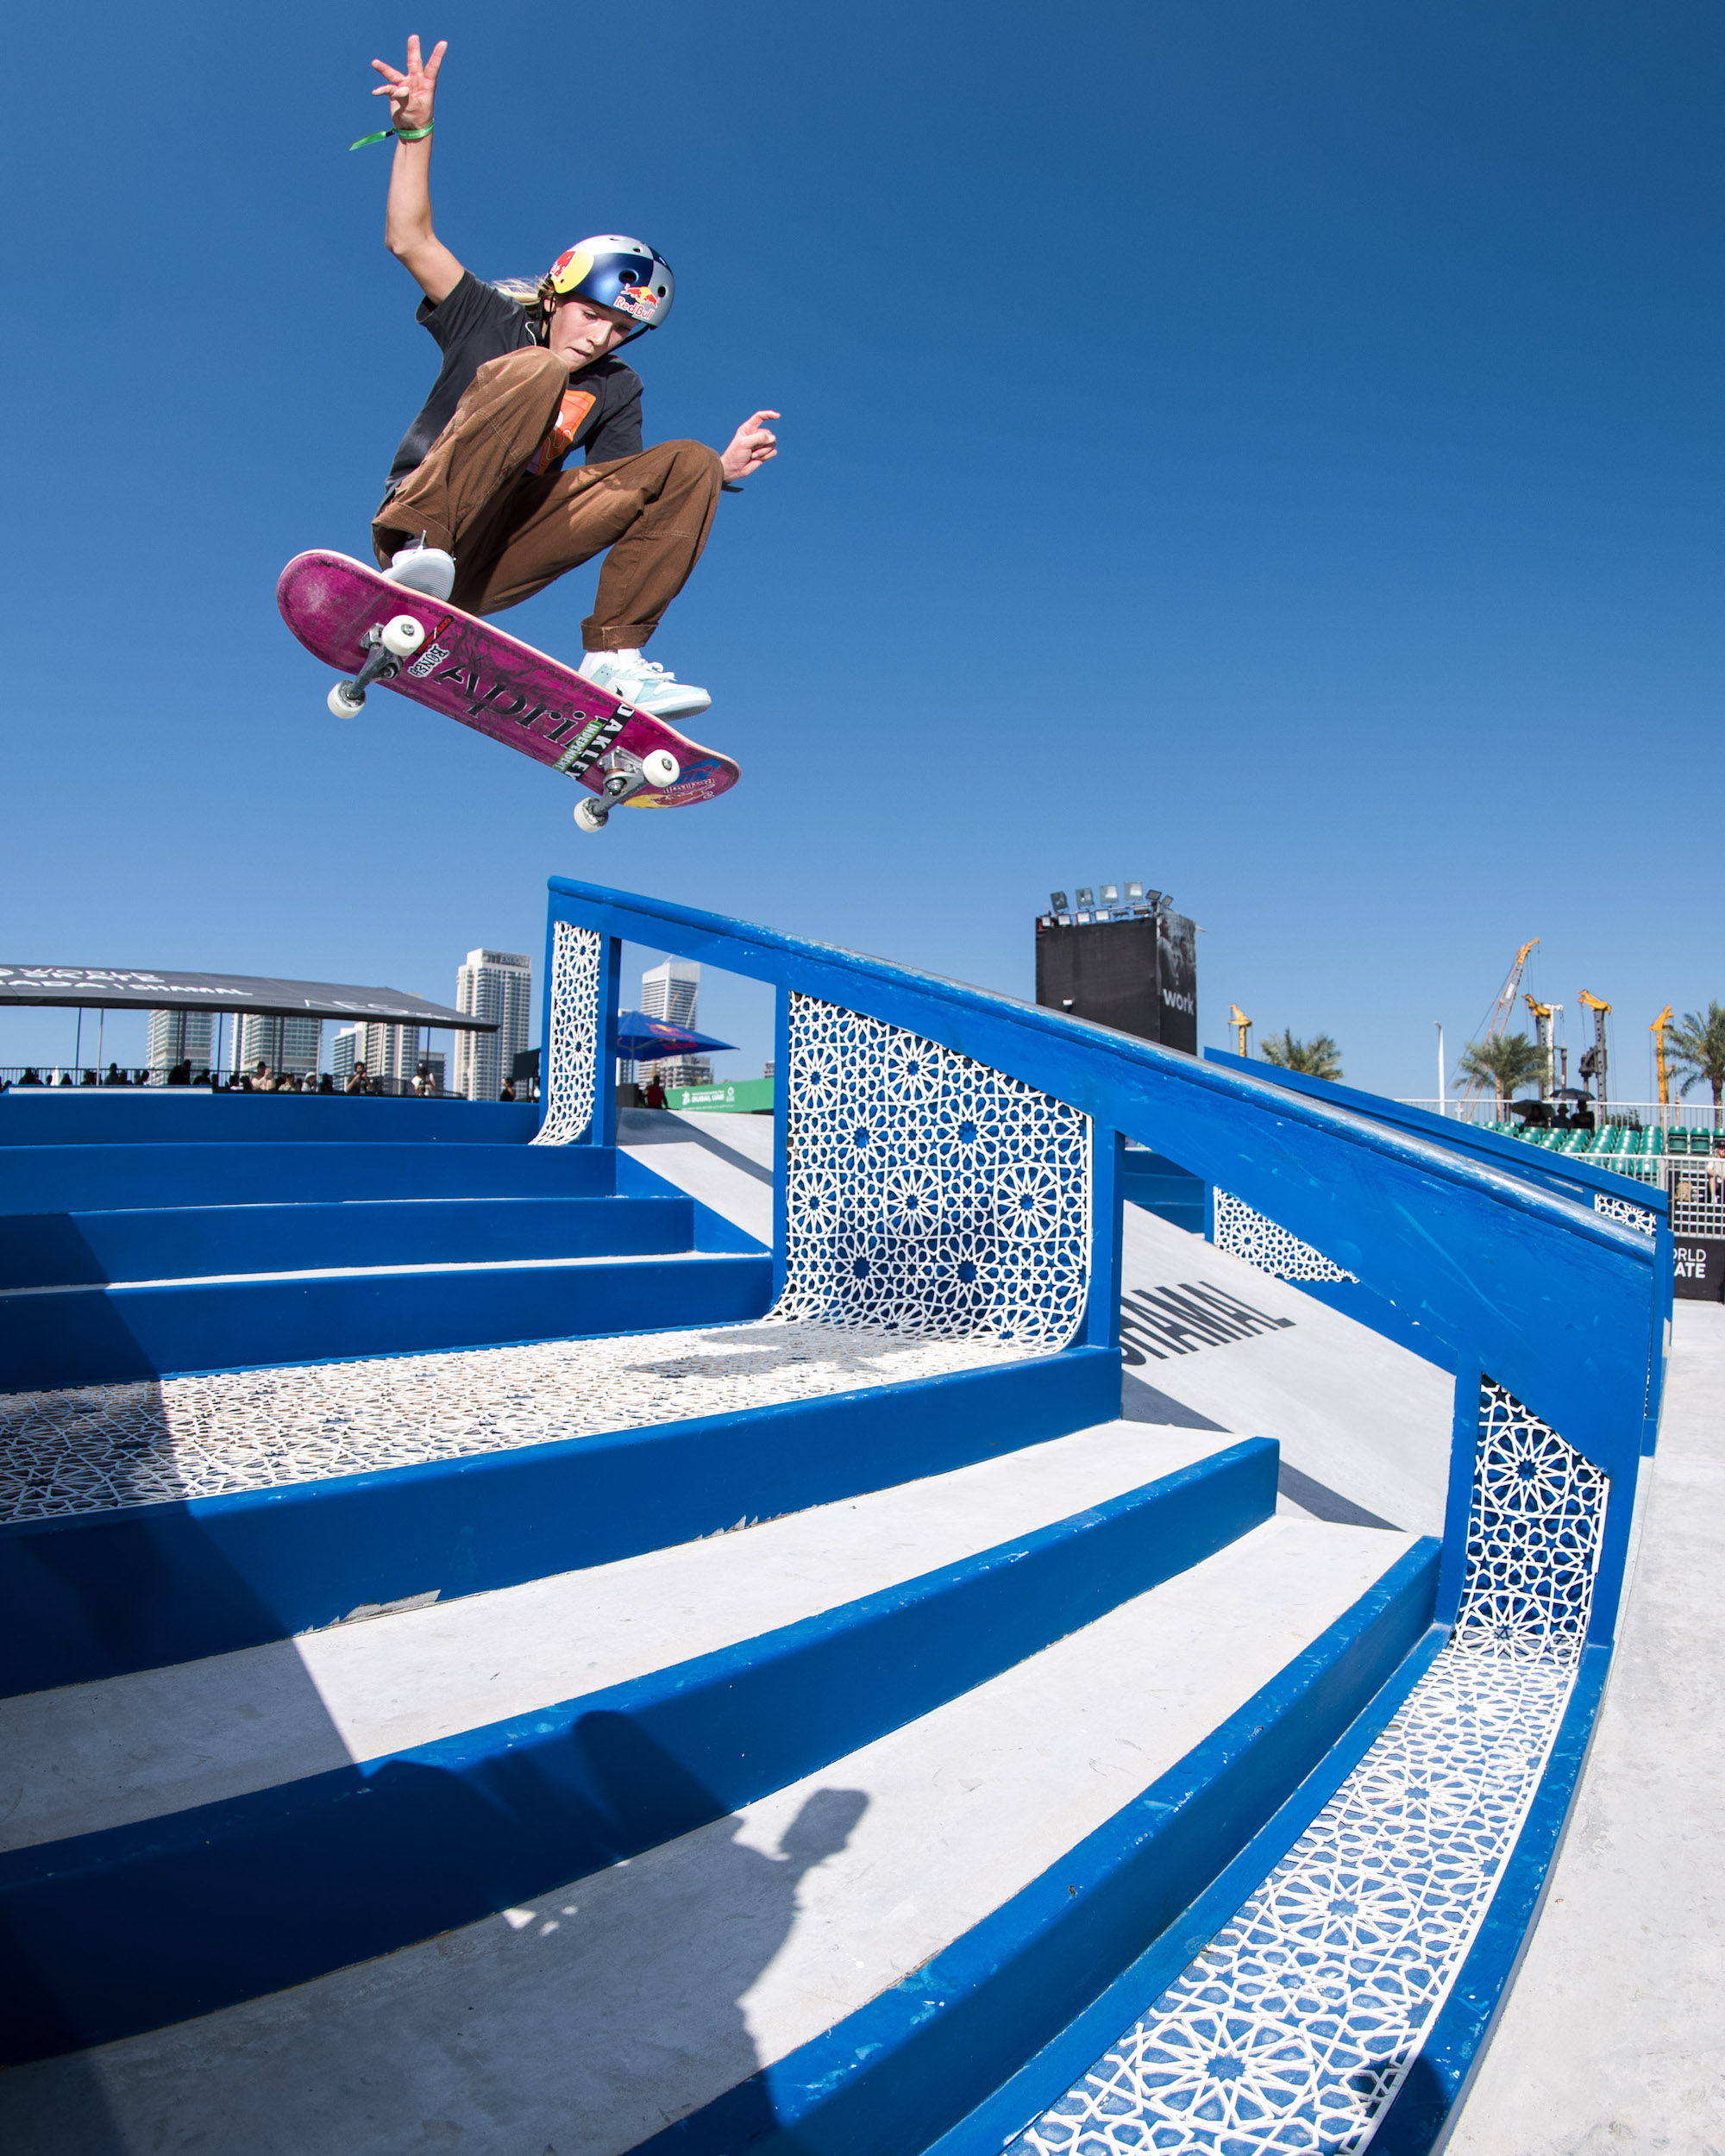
381 631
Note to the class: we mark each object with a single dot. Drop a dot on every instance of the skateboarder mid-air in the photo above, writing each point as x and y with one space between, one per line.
481 509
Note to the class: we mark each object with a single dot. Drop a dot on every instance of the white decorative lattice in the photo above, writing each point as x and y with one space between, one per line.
570 1055
90 1448
1300 2017
1632 1216
1243 1233
926 1193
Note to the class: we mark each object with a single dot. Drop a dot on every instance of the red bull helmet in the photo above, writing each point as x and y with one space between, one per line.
612 271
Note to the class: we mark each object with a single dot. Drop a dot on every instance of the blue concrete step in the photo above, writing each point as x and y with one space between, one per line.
155 1115
141 1587
54 1336
36 1179
70 1249
367 1858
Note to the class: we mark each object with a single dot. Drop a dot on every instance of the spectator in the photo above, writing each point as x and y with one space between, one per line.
360 1080
115 1075
326 1083
88 1078
181 1072
654 1096
62 1077
30 1076
508 1091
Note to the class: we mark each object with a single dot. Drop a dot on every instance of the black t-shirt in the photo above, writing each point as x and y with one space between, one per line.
475 322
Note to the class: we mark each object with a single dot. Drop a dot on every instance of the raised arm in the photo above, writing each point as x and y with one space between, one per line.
407 230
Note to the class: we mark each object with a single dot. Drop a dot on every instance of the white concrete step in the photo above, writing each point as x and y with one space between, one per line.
92 1756
607 2010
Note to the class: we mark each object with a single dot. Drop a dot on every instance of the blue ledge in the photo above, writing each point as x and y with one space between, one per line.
1437 2081
905 2069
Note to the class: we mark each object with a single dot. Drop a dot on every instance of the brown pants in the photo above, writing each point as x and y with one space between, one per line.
513 531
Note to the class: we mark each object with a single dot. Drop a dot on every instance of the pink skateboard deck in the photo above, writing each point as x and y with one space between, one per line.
470 671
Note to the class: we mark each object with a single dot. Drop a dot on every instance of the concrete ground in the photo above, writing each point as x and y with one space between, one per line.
1364 1425
724 1161
1604 2044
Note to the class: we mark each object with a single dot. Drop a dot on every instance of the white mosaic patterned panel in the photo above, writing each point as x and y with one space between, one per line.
1622 1209
1300 2017
97 1446
926 1193
571 1050
1243 1233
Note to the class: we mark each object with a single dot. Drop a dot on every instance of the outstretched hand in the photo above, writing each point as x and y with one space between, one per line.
412 95
751 447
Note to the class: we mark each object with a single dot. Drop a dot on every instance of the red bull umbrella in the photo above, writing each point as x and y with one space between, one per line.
643 1040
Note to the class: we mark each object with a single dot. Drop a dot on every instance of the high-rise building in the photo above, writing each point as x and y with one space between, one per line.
179 1037
496 985
282 1043
684 1070
671 991
345 1050
390 1051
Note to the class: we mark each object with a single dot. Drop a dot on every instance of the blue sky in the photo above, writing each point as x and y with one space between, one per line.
1269 450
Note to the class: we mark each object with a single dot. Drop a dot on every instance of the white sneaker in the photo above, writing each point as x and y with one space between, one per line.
643 683
427 570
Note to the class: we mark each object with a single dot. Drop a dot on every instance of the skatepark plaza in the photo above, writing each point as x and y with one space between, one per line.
1053 1595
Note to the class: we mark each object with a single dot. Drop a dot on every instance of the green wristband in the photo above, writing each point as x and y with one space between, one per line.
401 135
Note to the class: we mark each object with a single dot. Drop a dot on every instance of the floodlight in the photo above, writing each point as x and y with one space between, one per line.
1086 895
1057 900
1135 890
1110 892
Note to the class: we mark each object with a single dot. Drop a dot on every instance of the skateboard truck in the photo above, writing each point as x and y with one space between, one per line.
626 773
386 645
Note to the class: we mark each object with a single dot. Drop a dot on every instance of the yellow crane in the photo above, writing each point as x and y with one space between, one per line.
1543 1015
1657 1029
1241 1023
1500 1015
1593 1063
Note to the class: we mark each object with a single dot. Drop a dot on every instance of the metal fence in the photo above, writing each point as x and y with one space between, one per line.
89 1077
1647 1115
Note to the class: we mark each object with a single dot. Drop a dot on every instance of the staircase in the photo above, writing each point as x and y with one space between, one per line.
211 1233
540 1673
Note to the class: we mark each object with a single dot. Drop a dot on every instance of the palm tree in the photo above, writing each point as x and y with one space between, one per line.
1319 1057
1698 1046
1505 1062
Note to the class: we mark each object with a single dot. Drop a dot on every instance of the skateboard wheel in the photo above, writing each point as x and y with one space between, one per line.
403 636
591 816
344 699
661 768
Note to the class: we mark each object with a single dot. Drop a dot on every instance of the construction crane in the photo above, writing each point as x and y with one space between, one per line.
1241 1023
1593 1063
1543 1015
1499 1018
1657 1029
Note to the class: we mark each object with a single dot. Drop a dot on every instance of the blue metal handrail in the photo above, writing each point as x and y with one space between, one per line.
1564 1306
